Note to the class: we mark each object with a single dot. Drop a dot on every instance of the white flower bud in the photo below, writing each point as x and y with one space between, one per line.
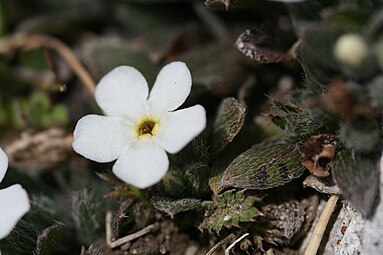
351 50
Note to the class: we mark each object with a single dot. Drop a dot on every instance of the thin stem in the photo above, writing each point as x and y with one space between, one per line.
27 42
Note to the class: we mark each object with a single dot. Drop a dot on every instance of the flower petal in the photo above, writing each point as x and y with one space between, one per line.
14 203
122 92
3 164
172 87
178 128
101 138
142 165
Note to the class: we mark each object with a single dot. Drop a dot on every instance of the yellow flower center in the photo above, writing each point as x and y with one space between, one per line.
146 127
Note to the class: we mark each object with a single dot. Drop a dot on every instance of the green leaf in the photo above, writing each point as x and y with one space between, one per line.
52 240
297 125
88 215
216 69
188 172
357 175
263 167
34 59
228 122
102 56
187 180
174 206
229 209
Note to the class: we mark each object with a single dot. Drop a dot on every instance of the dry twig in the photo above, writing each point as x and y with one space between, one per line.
133 236
320 227
108 227
224 241
28 42
231 246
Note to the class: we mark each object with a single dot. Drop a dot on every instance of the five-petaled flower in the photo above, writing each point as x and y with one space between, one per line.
14 202
140 128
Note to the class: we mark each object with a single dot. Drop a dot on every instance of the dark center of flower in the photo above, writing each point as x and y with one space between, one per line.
146 127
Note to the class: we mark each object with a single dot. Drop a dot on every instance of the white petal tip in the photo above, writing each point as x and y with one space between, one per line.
142 165
16 202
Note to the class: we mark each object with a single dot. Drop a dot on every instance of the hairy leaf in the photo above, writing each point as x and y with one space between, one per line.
21 240
297 124
264 167
259 44
227 124
357 176
174 206
51 240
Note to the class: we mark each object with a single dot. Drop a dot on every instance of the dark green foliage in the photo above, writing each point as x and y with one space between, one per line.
263 167
189 172
22 239
53 240
87 215
228 122
215 69
298 125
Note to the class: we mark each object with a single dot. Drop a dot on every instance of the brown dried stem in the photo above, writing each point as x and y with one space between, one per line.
233 237
320 227
133 236
28 42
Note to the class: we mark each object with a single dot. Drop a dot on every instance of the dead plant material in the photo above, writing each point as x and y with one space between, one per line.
339 100
321 225
231 246
221 243
318 152
133 236
323 185
39 151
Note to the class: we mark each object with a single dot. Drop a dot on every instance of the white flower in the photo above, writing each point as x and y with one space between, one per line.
140 128
14 202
